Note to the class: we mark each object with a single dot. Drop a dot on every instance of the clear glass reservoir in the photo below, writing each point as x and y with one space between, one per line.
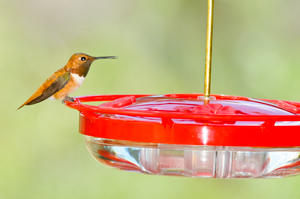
196 161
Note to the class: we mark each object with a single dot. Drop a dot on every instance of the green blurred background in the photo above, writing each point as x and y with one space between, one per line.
160 45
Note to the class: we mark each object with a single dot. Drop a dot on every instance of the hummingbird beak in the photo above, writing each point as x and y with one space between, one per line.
106 57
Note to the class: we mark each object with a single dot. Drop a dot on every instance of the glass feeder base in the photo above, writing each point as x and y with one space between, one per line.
196 161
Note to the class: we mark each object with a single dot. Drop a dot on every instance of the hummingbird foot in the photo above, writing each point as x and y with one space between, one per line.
68 98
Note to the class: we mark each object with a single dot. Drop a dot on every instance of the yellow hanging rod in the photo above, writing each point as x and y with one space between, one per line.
208 53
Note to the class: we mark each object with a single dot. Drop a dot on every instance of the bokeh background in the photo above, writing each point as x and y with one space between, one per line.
160 45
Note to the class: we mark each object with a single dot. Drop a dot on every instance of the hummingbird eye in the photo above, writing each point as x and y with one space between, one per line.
82 58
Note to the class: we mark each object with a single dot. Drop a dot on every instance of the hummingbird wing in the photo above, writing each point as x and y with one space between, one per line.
53 84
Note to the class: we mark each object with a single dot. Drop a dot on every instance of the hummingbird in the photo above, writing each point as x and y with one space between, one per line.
65 80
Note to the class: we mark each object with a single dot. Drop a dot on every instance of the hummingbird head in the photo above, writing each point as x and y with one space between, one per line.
79 63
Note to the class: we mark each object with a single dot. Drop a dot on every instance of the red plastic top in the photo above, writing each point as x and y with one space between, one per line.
185 119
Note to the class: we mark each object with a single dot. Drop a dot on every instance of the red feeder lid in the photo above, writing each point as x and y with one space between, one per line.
184 119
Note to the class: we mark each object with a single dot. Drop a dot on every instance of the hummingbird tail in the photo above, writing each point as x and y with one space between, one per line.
21 106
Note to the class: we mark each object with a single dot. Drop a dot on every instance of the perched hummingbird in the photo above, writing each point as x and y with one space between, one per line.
65 80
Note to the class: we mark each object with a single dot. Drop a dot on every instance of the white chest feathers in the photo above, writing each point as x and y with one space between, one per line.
77 79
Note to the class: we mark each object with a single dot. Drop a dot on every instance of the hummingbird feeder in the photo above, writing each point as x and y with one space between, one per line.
194 135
